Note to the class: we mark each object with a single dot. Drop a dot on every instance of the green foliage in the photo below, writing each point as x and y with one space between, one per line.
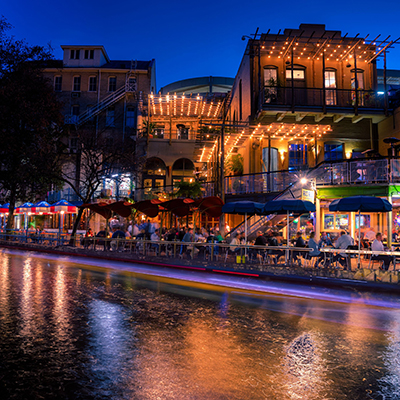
234 164
30 121
188 189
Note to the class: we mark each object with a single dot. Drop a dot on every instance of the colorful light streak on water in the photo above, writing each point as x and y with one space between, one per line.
70 329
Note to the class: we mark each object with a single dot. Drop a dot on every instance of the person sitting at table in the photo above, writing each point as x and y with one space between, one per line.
233 245
155 238
343 242
370 235
300 242
261 240
324 241
377 245
273 242
117 243
87 241
102 234
187 238
312 244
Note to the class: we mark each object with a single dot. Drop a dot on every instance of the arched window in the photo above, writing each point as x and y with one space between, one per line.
182 170
333 151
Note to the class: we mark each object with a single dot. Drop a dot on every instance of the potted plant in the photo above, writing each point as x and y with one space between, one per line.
235 165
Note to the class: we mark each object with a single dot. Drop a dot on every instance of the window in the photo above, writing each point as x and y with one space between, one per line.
270 76
92 83
330 86
297 155
77 84
112 84
131 84
130 117
74 54
298 74
270 83
58 83
333 151
182 132
89 54
110 115
74 113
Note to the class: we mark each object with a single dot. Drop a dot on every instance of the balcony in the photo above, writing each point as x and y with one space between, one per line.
382 171
320 100
163 135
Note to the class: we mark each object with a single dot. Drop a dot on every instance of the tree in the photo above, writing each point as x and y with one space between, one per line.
98 156
188 189
30 122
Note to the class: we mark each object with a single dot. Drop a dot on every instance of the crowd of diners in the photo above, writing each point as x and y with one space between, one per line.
266 247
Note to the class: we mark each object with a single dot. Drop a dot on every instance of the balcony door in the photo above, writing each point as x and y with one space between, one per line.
270 84
297 155
360 86
330 87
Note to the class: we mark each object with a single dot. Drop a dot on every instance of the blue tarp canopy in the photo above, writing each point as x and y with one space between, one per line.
361 204
289 205
243 208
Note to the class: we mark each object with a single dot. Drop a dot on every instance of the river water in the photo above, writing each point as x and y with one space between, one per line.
75 331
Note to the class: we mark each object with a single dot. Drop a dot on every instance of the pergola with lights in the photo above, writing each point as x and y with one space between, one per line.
297 44
184 105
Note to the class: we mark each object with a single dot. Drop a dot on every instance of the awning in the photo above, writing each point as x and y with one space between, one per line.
63 206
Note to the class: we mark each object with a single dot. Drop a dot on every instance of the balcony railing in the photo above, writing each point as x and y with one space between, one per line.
160 134
314 97
348 172
169 191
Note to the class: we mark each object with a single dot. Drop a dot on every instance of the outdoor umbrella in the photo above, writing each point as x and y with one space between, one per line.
63 205
41 207
4 208
148 207
211 205
244 208
360 204
24 209
287 206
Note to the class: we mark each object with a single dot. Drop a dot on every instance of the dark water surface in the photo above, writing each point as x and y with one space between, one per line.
71 331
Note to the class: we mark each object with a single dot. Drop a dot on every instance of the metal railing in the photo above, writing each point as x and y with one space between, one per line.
345 172
343 98
166 135
215 255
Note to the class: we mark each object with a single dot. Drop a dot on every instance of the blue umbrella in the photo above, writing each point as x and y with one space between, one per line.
287 206
360 204
243 208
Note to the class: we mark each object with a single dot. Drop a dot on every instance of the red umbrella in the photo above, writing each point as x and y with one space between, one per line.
99 208
179 207
122 208
211 205
148 207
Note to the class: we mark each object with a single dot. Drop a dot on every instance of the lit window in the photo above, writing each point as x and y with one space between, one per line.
333 151
297 155
297 74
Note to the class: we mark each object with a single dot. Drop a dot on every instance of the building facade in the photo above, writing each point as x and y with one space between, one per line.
103 96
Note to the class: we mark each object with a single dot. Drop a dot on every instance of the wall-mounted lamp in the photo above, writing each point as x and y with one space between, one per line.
282 154
348 154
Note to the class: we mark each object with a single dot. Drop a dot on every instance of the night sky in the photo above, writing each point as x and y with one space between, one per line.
190 39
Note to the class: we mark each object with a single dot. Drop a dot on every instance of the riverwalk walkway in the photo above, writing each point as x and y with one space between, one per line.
369 276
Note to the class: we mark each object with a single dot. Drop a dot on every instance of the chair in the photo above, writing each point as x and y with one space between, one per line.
373 260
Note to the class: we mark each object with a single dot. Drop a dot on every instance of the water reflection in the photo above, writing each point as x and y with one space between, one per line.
71 331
